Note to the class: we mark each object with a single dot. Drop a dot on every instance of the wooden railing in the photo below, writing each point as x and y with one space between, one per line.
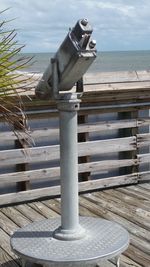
113 135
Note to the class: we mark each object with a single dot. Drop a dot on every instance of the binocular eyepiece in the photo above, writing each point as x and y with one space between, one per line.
73 58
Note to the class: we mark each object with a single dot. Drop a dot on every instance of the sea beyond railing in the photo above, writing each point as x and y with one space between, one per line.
105 61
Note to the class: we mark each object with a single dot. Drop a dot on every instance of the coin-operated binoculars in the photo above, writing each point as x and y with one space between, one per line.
71 61
74 239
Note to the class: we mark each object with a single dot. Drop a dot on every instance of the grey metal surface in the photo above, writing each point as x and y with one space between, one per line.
70 228
103 239
74 56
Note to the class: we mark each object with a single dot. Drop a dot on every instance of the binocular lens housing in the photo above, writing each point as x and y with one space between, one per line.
73 58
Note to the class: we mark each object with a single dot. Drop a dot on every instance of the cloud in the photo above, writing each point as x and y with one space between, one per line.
118 24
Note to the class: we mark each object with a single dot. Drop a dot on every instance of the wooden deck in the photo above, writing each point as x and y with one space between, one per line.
129 206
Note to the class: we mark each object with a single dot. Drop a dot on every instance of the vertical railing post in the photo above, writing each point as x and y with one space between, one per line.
24 185
83 137
133 131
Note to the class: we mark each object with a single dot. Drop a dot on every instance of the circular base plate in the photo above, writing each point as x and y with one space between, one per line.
103 239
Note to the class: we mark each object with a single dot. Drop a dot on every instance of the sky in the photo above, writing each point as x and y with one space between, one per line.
118 25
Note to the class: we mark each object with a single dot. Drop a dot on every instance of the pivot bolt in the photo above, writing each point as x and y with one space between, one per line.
92 44
84 22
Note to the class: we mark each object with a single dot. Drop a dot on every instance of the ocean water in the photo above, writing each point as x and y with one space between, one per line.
105 61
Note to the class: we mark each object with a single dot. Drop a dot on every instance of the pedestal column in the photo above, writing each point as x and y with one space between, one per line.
70 228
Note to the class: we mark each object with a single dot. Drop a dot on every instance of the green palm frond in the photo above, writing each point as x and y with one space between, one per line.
12 82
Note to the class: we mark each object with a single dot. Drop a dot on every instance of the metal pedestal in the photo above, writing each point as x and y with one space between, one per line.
36 242
71 240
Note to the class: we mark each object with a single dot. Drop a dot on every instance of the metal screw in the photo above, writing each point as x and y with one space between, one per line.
84 22
92 44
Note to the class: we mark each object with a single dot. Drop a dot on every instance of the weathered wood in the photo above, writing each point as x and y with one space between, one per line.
29 195
84 212
55 190
42 154
117 205
83 128
119 96
138 195
138 256
16 216
35 134
110 81
106 125
83 137
6 260
36 154
122 209
5 244
109 182
52 173
21 143
53 205
145 186
29 212
47 173
143 121
105 165
129 200
116 87
7 227
107 146
43 210
140 190
119 76
143 158
143 139
111 207
89 107
127 262
117 107
103 92
7 224
104 78
133 131
106 213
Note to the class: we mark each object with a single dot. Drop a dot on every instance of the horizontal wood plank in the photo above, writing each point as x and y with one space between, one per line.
143 158
143 139
87 127
47 153
55 190
144 176
117 76
37 134
52 173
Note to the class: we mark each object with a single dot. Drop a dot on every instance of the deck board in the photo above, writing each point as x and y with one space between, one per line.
7 260
44 210
129 206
